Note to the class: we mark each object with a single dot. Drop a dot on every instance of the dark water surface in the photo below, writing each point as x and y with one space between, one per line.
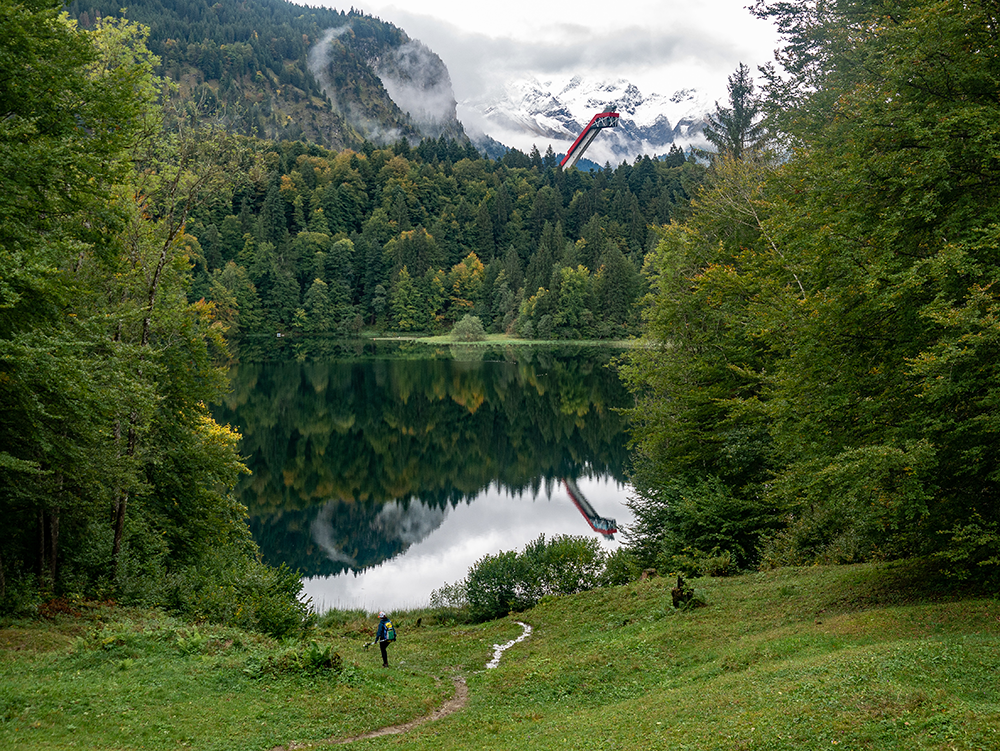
382 472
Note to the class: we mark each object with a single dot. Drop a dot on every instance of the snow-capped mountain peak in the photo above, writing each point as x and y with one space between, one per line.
528 112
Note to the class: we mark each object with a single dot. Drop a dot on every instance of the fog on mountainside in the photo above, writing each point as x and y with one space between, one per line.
278 70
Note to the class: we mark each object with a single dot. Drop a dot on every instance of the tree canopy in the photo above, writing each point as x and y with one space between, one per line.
413 239
826 321
114 479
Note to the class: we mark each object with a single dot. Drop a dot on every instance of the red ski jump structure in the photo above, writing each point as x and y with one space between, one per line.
603 120
598 523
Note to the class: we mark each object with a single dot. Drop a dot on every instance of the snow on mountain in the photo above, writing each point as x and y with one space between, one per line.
529 112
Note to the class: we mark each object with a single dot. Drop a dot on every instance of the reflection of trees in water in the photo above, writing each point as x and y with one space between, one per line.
340 451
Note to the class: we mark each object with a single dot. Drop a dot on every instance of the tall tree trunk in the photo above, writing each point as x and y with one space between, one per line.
122 504
48 546
40 566
53 545
152 289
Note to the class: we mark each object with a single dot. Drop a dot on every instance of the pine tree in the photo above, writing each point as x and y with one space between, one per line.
736 130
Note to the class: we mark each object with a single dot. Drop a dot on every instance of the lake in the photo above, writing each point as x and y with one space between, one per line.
382 471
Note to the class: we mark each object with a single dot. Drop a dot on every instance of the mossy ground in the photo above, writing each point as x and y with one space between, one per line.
856 657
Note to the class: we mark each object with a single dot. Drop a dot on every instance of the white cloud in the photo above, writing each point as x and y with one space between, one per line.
659 46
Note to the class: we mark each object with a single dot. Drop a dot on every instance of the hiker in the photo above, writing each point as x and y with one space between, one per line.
385 634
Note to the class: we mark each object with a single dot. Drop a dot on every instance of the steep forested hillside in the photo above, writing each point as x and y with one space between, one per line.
414 239
407 239
248 65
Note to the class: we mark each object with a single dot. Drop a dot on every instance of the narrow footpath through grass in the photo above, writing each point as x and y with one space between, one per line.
856 657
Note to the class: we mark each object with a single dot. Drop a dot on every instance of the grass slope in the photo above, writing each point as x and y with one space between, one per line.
857 657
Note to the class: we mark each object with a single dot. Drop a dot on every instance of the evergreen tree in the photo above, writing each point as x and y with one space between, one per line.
407 304
550 161
317 308
736 129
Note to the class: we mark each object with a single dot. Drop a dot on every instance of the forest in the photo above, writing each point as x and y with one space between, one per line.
816 300
143 250
115 481
408 239
826 380
401 233
246 65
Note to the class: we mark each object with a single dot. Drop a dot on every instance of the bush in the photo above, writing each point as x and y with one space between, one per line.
496 585
680 526
313 660
563 565
972 551
19 596
620 567
694 562
451 596
240 592
508 581
469 329
450 603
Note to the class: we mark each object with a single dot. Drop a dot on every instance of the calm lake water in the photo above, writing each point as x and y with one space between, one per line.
383 471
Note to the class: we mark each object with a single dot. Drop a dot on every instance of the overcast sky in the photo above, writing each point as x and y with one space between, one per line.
659 46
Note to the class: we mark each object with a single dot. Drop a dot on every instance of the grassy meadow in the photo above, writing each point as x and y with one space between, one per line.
853 657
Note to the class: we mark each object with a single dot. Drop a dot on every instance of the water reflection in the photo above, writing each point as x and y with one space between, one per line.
381 475
492 521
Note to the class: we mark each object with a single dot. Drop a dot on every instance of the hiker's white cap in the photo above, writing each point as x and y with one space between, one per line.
381 614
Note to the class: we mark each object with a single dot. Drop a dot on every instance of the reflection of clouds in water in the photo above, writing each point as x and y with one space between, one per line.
408 523
492 521
322 534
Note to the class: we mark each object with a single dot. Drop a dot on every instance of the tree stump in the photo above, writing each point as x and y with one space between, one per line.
682 594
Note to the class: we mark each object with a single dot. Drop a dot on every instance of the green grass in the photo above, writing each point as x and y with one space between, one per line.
859 657
494 339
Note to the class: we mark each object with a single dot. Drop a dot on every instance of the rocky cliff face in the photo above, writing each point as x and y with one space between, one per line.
387 86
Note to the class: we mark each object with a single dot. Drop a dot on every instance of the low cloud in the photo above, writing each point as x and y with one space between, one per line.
319 58
658 60
418 82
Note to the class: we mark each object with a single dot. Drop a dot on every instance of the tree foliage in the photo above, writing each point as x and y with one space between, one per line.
736 130
498 584
468 329
113 476
835 311
580 237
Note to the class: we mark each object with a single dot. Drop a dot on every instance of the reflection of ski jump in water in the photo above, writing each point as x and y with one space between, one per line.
599 524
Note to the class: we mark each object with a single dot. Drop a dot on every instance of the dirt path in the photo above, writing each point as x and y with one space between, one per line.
451 706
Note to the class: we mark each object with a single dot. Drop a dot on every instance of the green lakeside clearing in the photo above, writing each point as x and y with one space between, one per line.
851 657
506 339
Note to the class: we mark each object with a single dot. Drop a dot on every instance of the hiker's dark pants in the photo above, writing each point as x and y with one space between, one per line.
385 656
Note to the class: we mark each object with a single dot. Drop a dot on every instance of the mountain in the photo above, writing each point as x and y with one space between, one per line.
529 112
386 85
279 70
283 71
